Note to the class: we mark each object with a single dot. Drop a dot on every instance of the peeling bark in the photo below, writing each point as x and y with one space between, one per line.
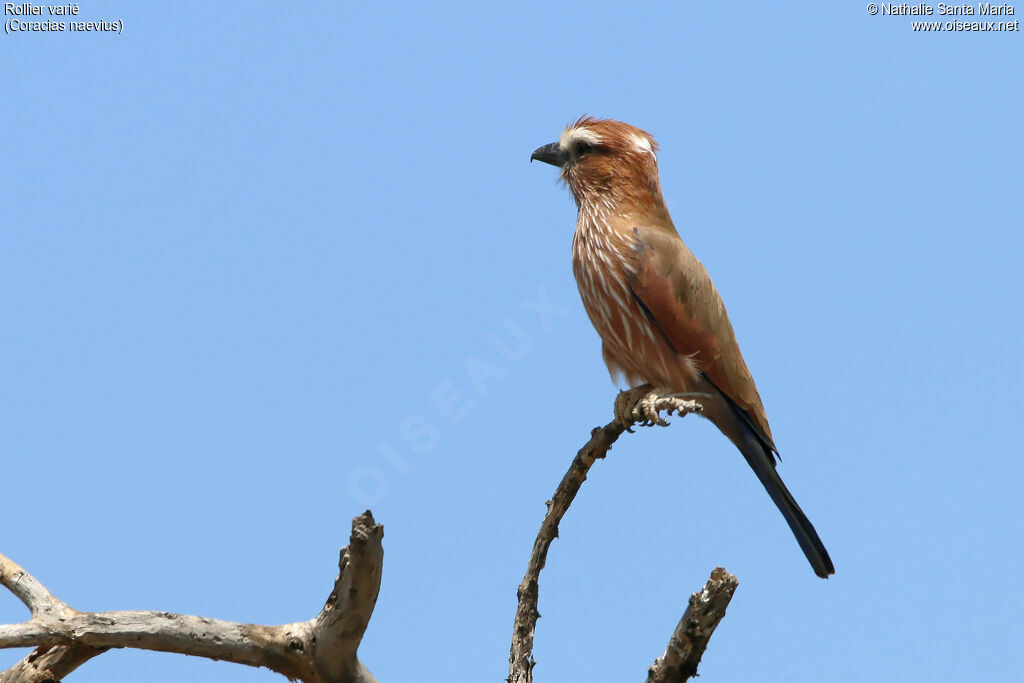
321 650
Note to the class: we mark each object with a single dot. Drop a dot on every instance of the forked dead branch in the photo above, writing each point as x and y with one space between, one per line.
706 608
321 650
324 648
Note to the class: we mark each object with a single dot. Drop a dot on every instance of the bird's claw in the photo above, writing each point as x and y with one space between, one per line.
624 404
642 406
648 408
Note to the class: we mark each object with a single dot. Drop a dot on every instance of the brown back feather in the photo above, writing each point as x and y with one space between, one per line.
677 289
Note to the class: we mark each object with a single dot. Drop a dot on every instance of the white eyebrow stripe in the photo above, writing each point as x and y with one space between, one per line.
571 135
641 144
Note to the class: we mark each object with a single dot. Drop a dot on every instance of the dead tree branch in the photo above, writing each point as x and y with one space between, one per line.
686 646
321 650
521 660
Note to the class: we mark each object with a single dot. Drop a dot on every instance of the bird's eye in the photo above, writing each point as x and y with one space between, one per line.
582 148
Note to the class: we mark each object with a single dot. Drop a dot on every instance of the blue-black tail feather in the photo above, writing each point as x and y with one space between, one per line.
758 451
759 457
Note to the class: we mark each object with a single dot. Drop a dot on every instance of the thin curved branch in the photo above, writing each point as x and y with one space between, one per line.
521 662
321 650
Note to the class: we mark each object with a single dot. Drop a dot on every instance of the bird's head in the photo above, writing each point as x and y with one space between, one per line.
605 161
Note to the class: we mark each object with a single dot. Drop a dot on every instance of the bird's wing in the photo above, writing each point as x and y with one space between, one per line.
677 293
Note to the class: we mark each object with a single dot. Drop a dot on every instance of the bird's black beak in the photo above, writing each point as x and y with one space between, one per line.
550 154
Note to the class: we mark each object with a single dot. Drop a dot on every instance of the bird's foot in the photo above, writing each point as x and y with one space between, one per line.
642 405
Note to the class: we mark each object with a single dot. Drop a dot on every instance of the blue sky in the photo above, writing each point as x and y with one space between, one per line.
254 259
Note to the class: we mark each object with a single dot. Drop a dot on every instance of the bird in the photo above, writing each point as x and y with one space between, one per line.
663 325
